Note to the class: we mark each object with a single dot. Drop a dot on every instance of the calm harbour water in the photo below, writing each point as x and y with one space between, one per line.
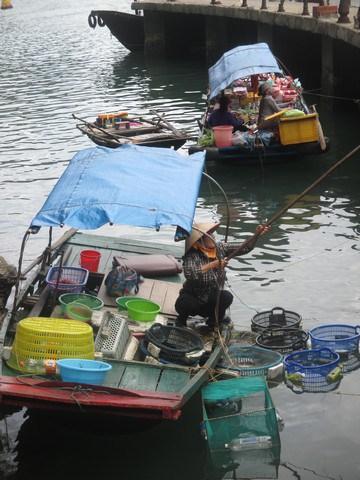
54 65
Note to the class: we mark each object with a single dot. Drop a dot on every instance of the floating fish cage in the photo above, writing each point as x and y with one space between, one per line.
250 360
340 338
241 427
275 318
312 370
283 340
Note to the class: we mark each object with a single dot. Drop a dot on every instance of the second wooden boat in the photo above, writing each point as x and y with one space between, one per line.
107 131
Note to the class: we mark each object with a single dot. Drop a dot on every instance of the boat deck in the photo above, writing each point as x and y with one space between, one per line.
164 291
147 377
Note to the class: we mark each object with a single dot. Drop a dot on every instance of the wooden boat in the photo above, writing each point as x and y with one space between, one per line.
127 28
237 74
155 132
134 388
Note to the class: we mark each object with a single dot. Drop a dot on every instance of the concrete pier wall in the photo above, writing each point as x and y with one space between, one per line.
324 53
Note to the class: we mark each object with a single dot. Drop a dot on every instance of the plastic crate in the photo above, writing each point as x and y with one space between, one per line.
72 279
299 129
113 336
250 360
339 337
42 338
315 370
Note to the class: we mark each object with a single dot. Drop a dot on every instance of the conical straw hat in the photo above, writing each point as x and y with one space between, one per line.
198 230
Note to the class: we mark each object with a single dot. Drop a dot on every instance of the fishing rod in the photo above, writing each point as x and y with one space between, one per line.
277 215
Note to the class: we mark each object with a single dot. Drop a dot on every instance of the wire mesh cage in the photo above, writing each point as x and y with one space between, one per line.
250 360
315 370
341 338
283 340
275 318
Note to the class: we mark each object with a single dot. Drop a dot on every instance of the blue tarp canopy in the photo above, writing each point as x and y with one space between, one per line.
241 62
129 185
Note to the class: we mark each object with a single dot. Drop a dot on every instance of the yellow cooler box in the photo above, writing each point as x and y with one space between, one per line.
295 130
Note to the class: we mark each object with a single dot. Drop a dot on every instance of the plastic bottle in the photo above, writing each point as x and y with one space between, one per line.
247 441
33 365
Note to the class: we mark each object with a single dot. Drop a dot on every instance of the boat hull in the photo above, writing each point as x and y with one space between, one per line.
127 28
103 141
271 154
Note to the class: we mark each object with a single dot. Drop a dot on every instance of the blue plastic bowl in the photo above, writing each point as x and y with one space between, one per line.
78 370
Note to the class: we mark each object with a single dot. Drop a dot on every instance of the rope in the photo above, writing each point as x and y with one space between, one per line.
334 97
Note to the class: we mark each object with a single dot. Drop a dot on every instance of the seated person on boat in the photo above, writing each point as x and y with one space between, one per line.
223 116
268 106
203 263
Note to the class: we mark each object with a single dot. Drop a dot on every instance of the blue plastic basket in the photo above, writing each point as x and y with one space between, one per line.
339 337
83 371
72 279
312 370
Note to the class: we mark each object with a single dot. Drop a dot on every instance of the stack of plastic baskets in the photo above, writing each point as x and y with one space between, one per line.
342 339
40 338
314 370
251 360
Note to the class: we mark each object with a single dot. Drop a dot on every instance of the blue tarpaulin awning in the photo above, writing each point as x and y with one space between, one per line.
241 62
129 185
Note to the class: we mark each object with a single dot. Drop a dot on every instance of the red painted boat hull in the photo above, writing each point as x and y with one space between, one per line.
54 395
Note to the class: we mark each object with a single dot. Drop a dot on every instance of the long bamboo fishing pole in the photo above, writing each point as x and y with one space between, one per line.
277 215
296 199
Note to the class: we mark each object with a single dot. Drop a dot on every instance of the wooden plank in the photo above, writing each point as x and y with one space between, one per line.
172 293
144 292
140 378
172 381
114 376
158 293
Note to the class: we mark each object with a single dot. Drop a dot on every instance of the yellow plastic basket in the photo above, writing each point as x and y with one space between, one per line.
42 338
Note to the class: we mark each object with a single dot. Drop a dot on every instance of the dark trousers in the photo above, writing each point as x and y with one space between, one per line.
188 306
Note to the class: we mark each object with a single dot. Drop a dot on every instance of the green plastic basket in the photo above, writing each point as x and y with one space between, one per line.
142 310
78 311
121 301
84 298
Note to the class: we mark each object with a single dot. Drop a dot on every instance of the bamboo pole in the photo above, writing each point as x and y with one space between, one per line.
281 212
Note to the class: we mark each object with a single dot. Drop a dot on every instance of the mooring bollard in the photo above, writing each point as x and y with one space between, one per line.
344 9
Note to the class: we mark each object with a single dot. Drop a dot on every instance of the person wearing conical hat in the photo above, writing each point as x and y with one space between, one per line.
203 263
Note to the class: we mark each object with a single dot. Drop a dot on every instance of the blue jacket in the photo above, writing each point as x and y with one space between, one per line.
224 118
